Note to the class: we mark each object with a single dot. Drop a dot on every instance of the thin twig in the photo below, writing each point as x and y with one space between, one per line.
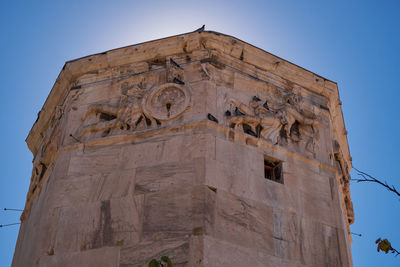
368 178
396 251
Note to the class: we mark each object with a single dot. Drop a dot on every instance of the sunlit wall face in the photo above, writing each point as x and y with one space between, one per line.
353 43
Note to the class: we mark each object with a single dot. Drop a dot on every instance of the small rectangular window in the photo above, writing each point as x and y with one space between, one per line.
273 170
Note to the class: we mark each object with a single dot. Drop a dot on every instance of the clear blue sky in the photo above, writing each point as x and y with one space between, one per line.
355 43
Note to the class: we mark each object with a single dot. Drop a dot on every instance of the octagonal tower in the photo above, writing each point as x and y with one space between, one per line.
200 147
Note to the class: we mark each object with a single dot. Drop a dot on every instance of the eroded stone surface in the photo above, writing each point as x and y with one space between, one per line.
137 156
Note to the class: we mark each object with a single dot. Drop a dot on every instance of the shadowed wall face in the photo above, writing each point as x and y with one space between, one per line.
199 147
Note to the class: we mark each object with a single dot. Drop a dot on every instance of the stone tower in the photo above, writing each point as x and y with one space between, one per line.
199 147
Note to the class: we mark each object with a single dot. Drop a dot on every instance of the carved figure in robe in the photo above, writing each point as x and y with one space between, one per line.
291 111
271 127
126 115
310 133
265 122
268 119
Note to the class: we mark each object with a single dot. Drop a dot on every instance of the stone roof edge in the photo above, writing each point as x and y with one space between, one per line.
212 32
71 71
345 144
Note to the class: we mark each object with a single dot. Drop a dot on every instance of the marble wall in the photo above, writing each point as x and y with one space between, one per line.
159 149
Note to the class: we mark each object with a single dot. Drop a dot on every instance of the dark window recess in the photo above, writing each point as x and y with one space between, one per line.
273 170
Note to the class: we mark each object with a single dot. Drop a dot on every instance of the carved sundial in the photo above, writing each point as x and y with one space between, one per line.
167 101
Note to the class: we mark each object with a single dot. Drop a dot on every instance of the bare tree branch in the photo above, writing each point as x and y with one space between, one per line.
368 178
395 251
383 245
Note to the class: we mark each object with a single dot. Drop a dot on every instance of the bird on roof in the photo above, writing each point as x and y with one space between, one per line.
265 105
212 118
173 63
238 112
247 129
200 29
177 81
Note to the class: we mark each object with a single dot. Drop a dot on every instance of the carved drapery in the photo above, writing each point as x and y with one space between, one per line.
275 121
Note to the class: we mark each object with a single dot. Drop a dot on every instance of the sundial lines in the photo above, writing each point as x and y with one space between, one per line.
167 101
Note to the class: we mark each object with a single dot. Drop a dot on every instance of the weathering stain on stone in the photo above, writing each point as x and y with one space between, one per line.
103 236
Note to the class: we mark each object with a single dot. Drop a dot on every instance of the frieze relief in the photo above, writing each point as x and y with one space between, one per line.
155 98
278 120
144 101
138 108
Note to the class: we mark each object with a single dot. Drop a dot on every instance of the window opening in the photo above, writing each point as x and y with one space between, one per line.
273 170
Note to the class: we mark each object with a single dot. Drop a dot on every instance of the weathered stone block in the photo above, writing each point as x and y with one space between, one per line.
95 161
169 175
177 212
140 255
98 224
243 221
101 257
